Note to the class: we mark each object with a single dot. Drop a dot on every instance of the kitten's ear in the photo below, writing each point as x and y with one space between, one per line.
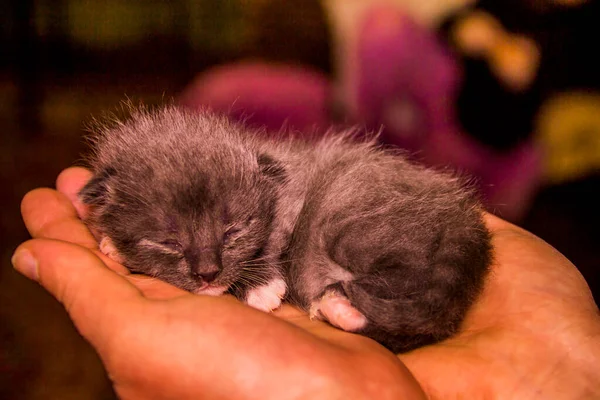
271 167
95 192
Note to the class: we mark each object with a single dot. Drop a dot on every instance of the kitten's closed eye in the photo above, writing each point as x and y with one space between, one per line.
233 232
230 234
168 246
172 244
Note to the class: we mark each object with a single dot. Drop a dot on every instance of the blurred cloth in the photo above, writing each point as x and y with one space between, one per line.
264 95
401 82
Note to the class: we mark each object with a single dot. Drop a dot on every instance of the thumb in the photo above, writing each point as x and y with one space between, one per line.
97 299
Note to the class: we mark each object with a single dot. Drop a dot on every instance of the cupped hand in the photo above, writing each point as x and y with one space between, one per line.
159 342
534 332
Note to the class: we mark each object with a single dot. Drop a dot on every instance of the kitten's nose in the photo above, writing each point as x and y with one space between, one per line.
206 276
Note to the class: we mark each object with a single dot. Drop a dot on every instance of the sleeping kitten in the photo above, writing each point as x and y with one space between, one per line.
353 234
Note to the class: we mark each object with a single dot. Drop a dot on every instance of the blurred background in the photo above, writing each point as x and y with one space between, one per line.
505 91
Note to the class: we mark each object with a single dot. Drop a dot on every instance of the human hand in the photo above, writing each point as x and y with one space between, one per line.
157 341
533 333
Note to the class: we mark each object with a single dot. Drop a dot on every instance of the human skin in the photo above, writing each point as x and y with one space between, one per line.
533 333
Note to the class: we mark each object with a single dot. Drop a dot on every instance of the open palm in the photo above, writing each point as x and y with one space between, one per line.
534 332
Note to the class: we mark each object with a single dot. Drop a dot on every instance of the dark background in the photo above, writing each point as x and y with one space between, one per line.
64 61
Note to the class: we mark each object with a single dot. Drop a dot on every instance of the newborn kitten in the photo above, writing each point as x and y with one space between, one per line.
355 235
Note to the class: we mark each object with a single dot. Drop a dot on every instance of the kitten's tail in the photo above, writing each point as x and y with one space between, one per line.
407 306
402 324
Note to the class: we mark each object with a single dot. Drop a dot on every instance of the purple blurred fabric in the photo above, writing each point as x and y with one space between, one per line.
406 85
264 95
405 79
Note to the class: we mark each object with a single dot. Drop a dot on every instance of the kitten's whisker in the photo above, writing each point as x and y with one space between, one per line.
254 274
253 263
254 278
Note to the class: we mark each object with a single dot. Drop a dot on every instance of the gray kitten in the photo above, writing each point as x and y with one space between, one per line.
353 234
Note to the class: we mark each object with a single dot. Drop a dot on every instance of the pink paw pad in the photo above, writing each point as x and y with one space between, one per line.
337 309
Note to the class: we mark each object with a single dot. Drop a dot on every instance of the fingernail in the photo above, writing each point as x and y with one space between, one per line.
24 262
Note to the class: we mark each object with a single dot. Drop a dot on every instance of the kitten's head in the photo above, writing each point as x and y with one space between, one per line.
198 218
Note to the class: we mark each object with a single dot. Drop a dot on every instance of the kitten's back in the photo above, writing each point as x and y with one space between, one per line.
412 240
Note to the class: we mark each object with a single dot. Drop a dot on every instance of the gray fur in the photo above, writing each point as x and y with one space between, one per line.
405 244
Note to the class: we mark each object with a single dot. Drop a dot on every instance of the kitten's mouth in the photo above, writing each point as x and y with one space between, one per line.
211 290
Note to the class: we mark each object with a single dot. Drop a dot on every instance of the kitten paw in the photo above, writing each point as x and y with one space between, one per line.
336 308
108 249
267 297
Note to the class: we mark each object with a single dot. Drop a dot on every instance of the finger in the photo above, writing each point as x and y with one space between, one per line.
112 264
49 214
70 182
98 300
495 223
